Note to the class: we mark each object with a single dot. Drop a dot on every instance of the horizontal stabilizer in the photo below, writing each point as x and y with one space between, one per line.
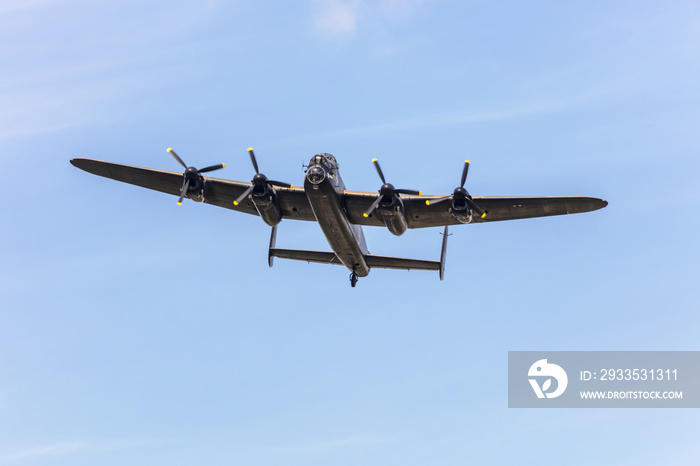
385 262
380 262
323 257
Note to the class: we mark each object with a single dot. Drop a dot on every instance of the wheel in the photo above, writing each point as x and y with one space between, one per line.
353 279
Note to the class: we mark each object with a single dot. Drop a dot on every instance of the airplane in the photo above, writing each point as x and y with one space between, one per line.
340 213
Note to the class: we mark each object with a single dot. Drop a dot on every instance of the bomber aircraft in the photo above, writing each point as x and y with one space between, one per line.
340 213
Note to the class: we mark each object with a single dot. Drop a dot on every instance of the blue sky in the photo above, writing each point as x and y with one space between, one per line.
135 331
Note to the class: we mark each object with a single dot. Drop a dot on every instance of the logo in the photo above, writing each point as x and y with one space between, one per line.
542 369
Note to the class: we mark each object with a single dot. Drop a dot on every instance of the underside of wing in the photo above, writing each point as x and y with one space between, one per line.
293 201
158 180
421 215
511 208
499 208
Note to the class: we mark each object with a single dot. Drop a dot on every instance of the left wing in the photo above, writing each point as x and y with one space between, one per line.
293 201
420 215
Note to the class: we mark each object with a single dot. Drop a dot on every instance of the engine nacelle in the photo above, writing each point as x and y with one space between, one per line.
393 216
196 189
268 207
462 215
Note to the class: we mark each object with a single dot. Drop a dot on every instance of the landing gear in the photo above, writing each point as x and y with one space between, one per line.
353 279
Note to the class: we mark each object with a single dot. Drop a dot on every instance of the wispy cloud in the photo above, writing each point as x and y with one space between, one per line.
608 94
11 5
321 446
52 104
336 18
341 18
431 121
67 448
57 78
54 449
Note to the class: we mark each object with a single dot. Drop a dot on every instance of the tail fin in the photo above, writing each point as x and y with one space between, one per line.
443 253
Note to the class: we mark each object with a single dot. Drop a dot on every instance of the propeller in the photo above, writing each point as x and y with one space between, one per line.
259 181
461 197
387 191
191 174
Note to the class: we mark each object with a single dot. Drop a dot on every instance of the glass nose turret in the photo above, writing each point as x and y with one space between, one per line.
315 174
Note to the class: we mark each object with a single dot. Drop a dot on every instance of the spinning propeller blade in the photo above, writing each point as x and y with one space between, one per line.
465 170
372 207
386 191
252 159
244 195
379 170
172 152
212 168
183 190
191 174
258 180
460 194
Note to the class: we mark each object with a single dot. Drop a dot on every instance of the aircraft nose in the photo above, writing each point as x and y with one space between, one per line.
315 175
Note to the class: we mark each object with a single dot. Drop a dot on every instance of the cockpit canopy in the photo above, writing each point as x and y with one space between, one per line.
324 159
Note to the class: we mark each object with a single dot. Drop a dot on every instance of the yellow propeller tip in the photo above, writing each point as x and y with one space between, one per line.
374 160
420 193
250 149
170 149
364 214
235 203
291 186
179 203
223 165
483 215
427 202
467 161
